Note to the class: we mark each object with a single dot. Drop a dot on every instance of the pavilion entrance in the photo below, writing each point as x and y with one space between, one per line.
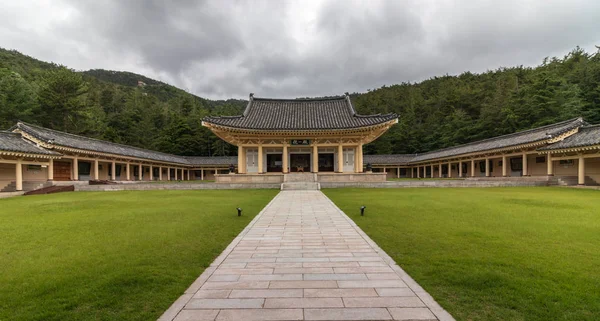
274 163
300 162
326 162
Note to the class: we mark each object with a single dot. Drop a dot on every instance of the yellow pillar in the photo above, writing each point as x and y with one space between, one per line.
525 171
472 168
240 159
315 162
504 166
581 170
418 171
113 171
140 173
487 167
96 176
460 173
361 166
128 168
50 169
202 174
340 159
356 168
449 169
188 174
168 173
440 170
284 159
160 173
550 165
75 169
19 175
175 171
151 173
260 159
432 171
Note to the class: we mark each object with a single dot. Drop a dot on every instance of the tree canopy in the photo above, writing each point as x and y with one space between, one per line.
439 112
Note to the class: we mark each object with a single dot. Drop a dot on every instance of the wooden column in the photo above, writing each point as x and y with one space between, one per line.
188 174
260 159
525 171
449 169
202 174
96 176
50 169
472 168
460 173
151 173
398 172
581 170
315 159
140 172
160 173
168 173
175 171
361 166
504 166
75 169
240 160
113 171
487 167
284 159
128 170
418 171
340 158
412 172
440 170
19 175
356 160
550 165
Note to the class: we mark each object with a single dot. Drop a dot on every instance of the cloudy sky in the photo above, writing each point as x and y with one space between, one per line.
228 48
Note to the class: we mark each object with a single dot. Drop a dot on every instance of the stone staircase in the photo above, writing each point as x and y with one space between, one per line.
300 181
572 181
27 186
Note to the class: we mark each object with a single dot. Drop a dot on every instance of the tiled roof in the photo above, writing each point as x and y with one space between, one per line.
213 160
13 142
519 138
300 114
587 136
95 145
397 159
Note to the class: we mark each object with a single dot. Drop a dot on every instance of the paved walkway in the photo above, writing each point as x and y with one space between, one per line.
304 259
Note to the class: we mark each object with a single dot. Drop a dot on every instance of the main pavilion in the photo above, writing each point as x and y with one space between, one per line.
276 137
300 135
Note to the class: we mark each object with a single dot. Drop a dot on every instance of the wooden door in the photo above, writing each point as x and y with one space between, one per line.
62 171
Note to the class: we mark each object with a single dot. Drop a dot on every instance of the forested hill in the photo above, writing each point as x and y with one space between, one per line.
435 113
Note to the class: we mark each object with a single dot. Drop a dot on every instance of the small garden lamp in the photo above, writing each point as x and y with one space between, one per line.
362 210
239 211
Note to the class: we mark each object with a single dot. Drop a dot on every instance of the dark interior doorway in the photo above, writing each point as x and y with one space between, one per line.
326 162
300 163
274 163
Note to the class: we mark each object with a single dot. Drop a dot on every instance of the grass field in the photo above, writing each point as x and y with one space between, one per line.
494 253
112 255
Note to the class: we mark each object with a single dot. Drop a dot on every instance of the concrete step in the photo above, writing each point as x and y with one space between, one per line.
573 180
299 177
300 186
27 186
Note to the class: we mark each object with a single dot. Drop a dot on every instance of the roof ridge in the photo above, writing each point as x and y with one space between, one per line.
96 139
503 136
301 99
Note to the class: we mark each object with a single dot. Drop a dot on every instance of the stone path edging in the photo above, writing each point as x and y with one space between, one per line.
439 312
178 305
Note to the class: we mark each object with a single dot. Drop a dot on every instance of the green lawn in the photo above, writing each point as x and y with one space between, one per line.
112 255
494 253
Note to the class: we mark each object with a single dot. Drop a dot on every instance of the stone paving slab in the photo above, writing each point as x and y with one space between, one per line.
302 258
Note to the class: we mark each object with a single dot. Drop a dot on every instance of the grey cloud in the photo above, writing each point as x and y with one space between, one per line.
222 49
